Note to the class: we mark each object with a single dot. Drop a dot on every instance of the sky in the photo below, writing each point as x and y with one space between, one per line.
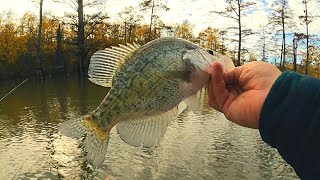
196 12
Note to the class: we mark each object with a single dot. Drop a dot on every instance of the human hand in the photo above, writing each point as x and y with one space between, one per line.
241 92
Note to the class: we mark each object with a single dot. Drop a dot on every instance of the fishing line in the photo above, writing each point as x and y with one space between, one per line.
13 90
21 167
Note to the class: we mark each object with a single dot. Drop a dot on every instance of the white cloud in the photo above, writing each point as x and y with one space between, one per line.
298 10
197 12
18 7
257 19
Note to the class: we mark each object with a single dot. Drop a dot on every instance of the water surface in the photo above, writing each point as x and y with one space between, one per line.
203 145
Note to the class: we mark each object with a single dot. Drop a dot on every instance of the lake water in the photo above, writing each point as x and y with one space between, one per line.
203 145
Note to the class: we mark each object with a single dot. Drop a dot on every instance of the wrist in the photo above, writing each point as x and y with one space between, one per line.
273 109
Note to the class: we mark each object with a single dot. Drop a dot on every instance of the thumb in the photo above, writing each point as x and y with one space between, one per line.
233 76
218 91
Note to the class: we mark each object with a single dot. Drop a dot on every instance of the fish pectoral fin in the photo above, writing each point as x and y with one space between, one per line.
105 63
147 131
192 102
183 75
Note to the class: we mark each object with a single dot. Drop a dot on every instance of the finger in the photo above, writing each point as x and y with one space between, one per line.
211 99
219 90
209 88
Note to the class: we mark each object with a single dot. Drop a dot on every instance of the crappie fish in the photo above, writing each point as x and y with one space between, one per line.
147 85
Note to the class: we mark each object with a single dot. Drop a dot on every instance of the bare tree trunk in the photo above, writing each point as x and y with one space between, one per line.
318 69
281 56
130 33
294 44
80 39
125 32
60 64
239 24
150 27
307 29
222 43
264 58
283 37
39 70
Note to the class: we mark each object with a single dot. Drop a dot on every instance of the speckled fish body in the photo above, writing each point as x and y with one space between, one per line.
154 80
147 85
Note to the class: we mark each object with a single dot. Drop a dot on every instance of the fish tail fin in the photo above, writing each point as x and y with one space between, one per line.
96 137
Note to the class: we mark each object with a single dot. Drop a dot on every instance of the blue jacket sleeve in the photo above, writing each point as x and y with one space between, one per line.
290 122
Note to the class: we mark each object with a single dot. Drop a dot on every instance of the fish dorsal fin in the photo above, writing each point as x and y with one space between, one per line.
146 131
104 63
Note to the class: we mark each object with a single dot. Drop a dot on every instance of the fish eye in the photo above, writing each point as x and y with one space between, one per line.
210 51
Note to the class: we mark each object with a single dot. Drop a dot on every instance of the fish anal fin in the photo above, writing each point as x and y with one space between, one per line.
181 107
192 102
146 131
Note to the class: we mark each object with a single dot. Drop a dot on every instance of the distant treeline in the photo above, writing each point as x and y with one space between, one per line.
66 43
18 43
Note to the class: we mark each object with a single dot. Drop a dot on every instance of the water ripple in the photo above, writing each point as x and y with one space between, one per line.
201 145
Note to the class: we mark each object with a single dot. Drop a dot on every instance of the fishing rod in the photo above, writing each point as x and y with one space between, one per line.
13 90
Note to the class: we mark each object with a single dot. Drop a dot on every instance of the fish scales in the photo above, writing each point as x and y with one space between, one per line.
148 83
142 73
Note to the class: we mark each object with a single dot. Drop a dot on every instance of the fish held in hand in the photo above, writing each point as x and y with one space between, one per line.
147 84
